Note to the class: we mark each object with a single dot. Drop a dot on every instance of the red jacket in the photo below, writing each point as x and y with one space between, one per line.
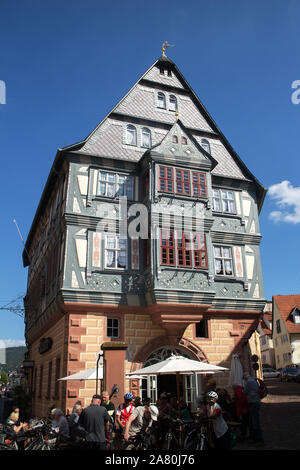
241 402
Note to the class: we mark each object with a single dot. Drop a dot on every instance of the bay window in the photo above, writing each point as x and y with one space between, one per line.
187 182
183 249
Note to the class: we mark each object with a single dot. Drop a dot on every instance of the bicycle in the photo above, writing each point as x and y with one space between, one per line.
196 438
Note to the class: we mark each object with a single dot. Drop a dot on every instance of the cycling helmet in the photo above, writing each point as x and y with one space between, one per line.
212 394
128 396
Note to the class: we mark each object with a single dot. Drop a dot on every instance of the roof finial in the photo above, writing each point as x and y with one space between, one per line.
163 49
176 114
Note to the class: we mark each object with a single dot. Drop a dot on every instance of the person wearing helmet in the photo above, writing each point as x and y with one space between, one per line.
220 437
124 410
141 419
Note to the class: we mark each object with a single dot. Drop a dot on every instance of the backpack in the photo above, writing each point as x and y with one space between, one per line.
263 391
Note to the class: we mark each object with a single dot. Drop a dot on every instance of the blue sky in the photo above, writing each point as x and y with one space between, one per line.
66 64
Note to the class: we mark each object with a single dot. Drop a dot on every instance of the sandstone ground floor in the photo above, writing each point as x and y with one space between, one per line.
129 341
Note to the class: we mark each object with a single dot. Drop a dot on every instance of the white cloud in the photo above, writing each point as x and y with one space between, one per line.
11 343
287 198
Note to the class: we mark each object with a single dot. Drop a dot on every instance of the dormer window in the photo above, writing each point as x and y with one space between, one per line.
131 135
184 140
205 145
296 316
162 71
161 100
175 139
146 137
172 103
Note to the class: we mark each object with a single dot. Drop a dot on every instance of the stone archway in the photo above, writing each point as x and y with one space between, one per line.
191 348
159 349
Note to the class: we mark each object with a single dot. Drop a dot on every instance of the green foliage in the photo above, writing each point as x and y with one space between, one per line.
3 378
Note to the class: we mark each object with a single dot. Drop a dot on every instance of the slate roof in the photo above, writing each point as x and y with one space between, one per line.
140 103
286 304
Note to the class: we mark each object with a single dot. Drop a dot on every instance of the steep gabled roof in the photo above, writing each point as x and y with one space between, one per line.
286 305
228 158
179 151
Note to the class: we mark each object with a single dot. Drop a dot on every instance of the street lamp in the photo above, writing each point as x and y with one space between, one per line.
99 362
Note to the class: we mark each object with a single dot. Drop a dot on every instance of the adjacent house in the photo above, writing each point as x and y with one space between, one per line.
265 333
286 330
146 243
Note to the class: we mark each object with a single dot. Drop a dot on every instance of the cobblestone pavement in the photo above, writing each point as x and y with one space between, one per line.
280 417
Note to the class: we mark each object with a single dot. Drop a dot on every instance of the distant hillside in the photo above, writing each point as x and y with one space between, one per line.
14 357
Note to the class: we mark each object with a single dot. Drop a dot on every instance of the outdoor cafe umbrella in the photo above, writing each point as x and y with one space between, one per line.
178 365
88 374
236 371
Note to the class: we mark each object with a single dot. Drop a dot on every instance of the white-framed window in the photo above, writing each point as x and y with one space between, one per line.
115 184
113 328
116 252
146 137
172 103
223 201
131 135
223 261
205 144
161 100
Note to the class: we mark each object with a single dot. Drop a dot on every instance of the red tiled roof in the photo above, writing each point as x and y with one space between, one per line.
286 304
264 327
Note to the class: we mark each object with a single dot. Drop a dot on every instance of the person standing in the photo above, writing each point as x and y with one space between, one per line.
124 411
219 432
108 405
95 420
251 391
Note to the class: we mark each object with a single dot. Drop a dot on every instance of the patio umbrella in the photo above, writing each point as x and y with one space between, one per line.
178 365
88 374
236 371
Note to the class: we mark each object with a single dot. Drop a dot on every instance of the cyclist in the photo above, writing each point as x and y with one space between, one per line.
141 419
220 437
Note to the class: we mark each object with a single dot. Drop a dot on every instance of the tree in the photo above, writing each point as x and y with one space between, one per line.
3 378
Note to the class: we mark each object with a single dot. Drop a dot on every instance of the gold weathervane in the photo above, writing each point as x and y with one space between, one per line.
163 49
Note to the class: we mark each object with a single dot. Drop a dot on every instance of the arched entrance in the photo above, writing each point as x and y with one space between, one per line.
154 385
